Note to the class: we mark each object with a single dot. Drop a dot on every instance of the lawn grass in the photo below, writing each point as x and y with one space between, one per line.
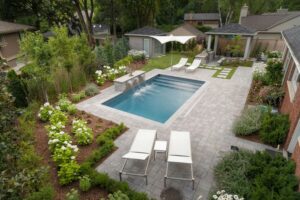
230 74
164 62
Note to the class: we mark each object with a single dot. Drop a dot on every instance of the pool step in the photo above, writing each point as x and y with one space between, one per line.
178 83
178 80
172 86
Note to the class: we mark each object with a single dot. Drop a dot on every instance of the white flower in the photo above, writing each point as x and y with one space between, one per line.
57 107
235 197
50 112
63 148
46 104
39 115
72 157
215 196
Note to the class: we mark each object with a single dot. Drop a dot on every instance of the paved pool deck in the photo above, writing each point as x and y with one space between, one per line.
208 115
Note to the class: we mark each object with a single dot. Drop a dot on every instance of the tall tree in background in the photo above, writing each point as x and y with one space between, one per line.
85 12
109 12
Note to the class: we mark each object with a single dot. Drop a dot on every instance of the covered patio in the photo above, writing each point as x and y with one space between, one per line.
230 30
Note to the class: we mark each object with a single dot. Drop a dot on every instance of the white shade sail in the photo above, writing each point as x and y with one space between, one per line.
172 38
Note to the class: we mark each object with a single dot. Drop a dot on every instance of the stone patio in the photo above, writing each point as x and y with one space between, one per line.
208 116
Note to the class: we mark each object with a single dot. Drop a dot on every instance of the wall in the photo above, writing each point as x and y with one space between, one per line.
290 107
136 43
296 158
268 41
11 49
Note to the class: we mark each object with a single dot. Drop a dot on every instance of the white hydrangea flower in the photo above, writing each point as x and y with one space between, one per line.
46 104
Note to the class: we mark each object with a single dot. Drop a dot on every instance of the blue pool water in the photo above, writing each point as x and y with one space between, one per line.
157 98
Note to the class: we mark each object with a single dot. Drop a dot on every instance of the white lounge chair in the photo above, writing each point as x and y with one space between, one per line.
180 152
180 64
141 149
196 63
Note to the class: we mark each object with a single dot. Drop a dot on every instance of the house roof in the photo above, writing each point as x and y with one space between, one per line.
267 20
8 27
145 31
187 30
202 16
232 29
292 38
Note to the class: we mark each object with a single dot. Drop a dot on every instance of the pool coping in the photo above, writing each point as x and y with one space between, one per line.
183 110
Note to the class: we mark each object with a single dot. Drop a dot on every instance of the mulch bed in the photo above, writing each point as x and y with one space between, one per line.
41 142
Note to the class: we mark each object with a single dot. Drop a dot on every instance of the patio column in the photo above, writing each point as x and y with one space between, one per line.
209 43
247 48
216 44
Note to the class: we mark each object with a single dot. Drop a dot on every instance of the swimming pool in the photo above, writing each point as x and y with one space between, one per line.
157 98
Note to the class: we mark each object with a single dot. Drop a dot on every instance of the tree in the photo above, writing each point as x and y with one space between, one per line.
85 12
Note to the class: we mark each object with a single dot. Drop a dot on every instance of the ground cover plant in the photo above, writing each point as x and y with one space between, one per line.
260 124
257 176
266 86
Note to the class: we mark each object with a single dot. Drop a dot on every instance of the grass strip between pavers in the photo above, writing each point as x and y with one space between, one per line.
229 75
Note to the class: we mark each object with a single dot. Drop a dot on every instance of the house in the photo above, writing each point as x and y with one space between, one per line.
291 101
268 27
101 32
140 39
204 19
10 34
188 30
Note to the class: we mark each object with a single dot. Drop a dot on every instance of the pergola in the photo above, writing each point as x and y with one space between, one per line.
232 30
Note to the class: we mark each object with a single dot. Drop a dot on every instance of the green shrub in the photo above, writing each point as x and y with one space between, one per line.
58 116
257 176
249 122
91 89
72 109
117 196
72 195
110 134
45 112
76 97
274 128
84 183
83 134
68 172
274 54
45 193
17 88
274 73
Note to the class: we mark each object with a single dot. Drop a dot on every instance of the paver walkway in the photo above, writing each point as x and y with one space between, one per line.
224 73
209 118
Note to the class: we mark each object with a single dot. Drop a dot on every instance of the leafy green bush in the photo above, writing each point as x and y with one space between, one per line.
91 89
58 116
257 176
117 196
72 195
84 134
110 134
45 112
65 105
249 122
68 172
76 97
274 128
45 193
274 54
17 88
84 183
274 73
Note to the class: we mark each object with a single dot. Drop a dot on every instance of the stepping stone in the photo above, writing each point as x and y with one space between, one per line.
221 76
226 70
223 73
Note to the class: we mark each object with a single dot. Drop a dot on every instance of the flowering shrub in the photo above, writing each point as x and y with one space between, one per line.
85 183
58 139
274 54
65 153
222 195
58 116
83 134
65 105
109 73
45 112
68 172
100 77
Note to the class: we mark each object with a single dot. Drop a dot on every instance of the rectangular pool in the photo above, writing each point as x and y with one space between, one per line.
157 98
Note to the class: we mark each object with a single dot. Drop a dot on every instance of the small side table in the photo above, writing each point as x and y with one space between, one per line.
160 147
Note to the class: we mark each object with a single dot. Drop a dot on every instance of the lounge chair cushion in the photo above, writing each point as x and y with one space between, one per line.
143 141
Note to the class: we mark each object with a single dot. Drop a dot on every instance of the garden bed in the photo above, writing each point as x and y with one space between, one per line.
98 126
